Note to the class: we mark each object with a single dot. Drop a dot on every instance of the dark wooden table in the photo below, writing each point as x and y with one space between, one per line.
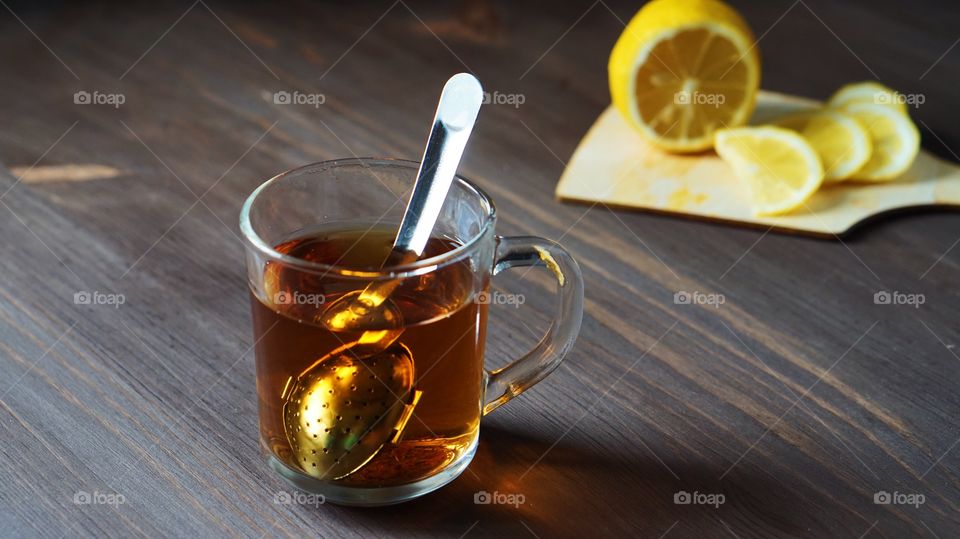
798 399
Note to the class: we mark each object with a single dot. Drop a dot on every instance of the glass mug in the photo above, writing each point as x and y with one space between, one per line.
388 411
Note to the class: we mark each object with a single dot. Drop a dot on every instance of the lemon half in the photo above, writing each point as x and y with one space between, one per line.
682 69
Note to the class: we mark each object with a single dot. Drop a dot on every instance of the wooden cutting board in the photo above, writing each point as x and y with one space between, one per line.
615 166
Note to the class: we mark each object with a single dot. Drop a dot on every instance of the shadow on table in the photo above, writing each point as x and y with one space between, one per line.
573 486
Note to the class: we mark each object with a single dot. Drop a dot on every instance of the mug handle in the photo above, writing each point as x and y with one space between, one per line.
506 383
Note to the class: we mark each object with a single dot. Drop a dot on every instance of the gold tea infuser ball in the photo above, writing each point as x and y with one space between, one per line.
340 411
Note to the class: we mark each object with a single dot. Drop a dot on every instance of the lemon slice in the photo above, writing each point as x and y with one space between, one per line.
682 69
895 140
868 92
842 143
781 168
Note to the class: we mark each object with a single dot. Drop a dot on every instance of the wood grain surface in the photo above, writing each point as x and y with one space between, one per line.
798 398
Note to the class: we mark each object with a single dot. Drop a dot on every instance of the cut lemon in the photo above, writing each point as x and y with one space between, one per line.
842 143
868 92
683 69
895 141
781 168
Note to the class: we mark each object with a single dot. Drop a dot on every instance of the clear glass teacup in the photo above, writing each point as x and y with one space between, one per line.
387 412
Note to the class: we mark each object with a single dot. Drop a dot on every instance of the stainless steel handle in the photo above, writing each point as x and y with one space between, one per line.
456 113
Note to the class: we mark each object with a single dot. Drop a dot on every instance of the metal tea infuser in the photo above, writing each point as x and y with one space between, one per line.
341 410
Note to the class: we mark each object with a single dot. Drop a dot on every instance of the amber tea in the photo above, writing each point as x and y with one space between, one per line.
389 405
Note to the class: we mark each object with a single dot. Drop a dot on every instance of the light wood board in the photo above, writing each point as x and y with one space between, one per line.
614 165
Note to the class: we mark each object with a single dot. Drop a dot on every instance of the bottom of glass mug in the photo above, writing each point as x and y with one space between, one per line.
373 496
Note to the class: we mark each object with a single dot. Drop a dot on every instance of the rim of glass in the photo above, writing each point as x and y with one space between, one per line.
426 265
